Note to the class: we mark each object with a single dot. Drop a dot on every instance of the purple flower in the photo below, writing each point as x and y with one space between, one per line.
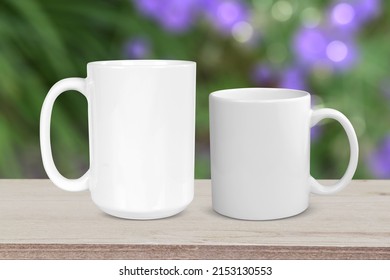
264 75
137 48
309 45
315 132
293 78
343 16
367 9
224 14
349 16
342 54
178 15
173 15
148 7
379 161
316 47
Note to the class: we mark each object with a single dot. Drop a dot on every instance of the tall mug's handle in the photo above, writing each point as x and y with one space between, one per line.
318 115
47 157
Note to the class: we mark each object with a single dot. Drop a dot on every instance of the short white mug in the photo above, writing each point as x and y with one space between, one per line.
142 136
260 152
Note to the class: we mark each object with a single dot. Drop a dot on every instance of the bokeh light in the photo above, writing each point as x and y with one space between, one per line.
310 17
282 10
343 13
337 50
309 45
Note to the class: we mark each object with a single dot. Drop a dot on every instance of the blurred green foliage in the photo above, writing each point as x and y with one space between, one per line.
43 41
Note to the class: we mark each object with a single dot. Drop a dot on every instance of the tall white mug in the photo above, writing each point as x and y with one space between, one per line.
141 131
260 152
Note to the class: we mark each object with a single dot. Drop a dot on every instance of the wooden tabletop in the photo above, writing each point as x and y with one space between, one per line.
40 221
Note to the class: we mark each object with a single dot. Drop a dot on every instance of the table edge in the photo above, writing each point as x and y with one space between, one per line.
196 252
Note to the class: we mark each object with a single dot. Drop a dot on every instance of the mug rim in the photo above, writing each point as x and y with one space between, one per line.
259 95
148 63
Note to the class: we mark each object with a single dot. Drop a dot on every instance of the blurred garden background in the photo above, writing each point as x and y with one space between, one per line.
338 50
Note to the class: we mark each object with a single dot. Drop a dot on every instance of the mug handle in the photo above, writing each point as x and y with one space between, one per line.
47 157
318 115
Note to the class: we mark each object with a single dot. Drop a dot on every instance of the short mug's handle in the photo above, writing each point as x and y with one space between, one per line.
47 157
318 115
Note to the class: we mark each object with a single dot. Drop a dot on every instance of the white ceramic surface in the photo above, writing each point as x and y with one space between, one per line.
141 131
260 152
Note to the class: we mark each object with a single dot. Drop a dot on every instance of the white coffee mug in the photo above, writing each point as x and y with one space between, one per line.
142 135
260 152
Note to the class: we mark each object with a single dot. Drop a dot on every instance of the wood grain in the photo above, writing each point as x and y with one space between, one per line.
38 220
194 252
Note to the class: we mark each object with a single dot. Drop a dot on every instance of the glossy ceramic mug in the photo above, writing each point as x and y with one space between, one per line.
260 152
141 131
